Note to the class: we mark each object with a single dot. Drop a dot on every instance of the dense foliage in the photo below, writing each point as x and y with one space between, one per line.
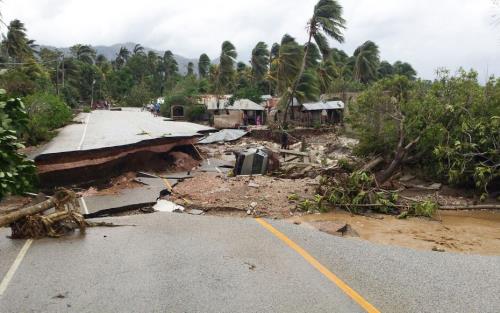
454 122
16 173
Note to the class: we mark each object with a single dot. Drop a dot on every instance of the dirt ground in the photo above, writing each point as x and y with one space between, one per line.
264 194
471 232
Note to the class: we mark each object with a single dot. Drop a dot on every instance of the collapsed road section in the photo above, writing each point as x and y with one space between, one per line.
104 143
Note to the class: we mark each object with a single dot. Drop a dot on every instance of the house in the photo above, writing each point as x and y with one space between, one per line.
322 112
252 112
210 101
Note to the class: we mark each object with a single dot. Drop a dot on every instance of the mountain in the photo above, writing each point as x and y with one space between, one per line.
110 53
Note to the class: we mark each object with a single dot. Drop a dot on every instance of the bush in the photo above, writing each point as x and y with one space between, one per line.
46 112
139 96
454 121
17 174
196 112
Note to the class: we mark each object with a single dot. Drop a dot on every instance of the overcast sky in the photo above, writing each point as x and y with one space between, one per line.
427 33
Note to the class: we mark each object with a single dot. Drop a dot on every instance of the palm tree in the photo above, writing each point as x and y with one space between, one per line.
83 53
122 57
226 71
367 61
326 22
17 44
138 49
259 61
203 65
313 55
190 69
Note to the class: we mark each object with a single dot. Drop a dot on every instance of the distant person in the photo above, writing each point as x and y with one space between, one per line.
284 139
324 116
258 120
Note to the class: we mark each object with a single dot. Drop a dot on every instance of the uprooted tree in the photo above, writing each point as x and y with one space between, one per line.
447 129
17 174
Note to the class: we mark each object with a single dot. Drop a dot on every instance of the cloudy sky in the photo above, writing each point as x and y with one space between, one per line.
427 33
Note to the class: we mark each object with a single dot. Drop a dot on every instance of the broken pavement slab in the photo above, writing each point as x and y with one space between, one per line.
109 143
126 199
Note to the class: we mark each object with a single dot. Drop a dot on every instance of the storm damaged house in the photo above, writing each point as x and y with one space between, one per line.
322 112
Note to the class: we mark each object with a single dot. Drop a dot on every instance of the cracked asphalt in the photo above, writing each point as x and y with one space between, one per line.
172 262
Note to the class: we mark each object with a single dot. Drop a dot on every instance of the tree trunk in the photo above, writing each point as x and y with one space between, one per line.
9 218
299 76
399 155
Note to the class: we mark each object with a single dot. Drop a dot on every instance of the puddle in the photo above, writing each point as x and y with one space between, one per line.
472 232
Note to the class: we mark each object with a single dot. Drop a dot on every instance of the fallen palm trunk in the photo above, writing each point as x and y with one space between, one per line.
60 198
30 222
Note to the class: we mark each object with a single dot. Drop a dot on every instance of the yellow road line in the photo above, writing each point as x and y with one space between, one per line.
322 269
167 183
13 268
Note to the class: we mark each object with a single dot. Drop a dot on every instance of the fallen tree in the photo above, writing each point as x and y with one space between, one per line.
446 130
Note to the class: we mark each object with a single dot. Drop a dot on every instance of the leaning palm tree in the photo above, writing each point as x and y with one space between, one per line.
259 61
367 61
122 57
227 59
83 53
326 22
17 44
138 49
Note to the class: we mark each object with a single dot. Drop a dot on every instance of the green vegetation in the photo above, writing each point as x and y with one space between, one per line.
447 128
17 174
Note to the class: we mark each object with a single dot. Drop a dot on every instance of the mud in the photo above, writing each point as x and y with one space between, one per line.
470 232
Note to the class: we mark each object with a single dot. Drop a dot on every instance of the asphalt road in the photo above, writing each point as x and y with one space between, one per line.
103 128
182 263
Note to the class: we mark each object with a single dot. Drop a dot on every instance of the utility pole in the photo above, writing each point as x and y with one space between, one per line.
63 70
92 95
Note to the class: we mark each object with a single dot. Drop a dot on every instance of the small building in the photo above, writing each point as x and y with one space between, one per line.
252 112
210 101
323 112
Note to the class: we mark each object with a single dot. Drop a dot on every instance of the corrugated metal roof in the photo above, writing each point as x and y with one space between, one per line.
212 103
245 104
327 105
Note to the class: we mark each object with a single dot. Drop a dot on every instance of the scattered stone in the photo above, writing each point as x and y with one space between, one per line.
437 249
297 222
168 206
254 185
253 205
196 212
249 212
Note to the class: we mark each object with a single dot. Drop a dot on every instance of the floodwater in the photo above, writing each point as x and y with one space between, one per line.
471 232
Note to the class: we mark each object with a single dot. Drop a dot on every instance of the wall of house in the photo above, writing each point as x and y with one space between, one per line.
231 120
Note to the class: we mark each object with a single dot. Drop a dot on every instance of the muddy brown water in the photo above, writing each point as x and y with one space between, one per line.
471 232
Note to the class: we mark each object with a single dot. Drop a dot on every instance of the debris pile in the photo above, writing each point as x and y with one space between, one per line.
53 217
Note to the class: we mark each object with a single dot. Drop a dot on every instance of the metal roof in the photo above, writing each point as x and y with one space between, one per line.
327 105
245 105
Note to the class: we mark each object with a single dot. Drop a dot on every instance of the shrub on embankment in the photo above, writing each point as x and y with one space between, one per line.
17 174
46 112
448 129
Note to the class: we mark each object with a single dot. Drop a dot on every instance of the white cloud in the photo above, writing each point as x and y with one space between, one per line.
428 34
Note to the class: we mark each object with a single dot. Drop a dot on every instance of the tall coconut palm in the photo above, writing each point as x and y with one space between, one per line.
190 69
138 49
259 61
122 57
83 53
326 22
367 61
203 65
16 42
227 59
